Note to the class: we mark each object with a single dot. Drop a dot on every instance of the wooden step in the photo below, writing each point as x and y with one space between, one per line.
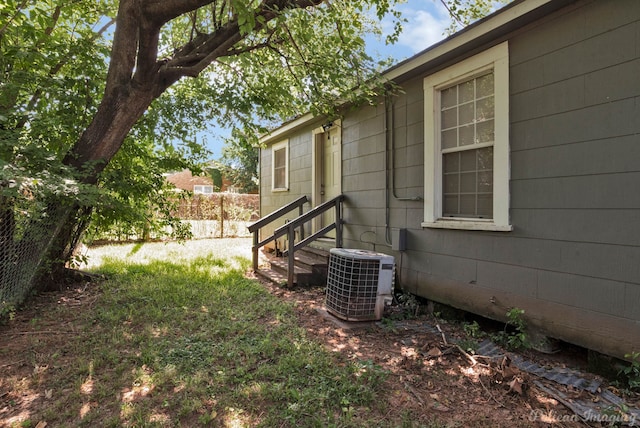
279 278
321 255
313 263
273 276
301 275
310 268
323 244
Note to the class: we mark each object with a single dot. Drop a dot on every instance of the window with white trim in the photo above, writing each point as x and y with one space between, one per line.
202 189
467 144
280 166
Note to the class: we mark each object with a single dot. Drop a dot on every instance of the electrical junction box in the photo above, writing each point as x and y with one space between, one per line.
399 239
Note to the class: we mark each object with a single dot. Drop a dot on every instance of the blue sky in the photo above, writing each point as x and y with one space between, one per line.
426 23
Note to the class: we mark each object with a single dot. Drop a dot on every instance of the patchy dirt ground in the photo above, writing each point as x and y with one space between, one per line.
45 323
430 382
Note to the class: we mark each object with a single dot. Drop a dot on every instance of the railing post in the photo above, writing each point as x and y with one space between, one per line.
254 250
290 251
258 225
338 225
300 212
221 216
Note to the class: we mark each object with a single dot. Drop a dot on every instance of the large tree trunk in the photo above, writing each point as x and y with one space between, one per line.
133 82
117 114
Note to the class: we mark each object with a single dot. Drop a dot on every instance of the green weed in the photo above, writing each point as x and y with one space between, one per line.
631 372
514 335
473 330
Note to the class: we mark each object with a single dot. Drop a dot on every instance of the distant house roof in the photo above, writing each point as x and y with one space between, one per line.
185 180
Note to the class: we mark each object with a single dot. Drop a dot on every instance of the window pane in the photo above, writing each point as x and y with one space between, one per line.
485 206
451 182
449 97
279 181
484 131
280 159
450 206
485 181
451 162
484 109
467 206
484 85
467 135
450 138
466 114
485 159
467 183
466 91
449 118
468 160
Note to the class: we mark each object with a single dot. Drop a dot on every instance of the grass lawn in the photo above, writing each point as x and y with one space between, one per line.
177 336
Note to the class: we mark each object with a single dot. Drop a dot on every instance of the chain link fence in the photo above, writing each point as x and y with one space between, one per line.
25 236
27 227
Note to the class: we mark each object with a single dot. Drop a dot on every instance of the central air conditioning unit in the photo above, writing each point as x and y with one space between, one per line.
359 283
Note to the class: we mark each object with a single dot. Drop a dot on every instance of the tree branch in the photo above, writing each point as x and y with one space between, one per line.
136 77
162 11
220 42
267 43
205 48
125 44
148 40
54 70
10 20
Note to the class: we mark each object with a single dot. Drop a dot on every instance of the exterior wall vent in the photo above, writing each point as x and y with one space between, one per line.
359 283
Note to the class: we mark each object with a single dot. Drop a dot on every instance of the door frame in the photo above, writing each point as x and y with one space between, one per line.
317 160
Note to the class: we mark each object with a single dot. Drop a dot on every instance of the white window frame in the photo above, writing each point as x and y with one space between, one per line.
496 58
201 189
274 148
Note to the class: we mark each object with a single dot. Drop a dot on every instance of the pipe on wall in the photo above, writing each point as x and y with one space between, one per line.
390 167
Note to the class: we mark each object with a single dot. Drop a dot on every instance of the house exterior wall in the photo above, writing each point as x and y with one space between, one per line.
571 260
299 170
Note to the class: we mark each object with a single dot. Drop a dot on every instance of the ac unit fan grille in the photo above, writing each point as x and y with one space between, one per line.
352 287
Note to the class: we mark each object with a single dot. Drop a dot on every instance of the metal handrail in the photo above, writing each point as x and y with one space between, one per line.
290 227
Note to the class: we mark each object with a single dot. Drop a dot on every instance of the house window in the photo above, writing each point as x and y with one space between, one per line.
280 166
467 144
203 189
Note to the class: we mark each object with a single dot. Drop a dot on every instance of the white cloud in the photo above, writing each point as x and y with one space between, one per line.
426 23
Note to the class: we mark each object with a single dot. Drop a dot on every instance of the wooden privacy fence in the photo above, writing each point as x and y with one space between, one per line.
219 214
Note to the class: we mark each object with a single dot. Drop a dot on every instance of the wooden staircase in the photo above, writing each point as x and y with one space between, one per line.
302 266
310 268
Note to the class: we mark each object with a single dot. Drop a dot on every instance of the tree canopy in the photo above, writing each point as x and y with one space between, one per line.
95 93
78 77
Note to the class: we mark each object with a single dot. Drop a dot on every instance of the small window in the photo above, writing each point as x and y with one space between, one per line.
280 166
467 144
203 189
